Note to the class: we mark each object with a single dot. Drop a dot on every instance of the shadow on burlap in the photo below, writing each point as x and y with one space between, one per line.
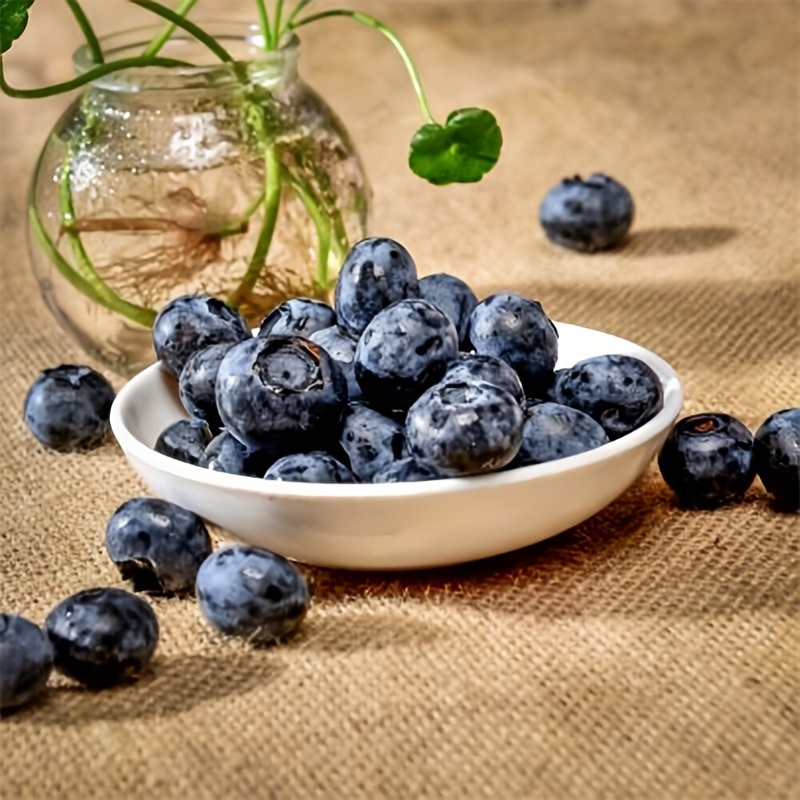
647 653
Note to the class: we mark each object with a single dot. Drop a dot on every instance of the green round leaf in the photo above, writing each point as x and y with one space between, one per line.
13 19
462 150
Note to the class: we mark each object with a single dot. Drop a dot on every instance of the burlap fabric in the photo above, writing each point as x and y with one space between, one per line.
649 653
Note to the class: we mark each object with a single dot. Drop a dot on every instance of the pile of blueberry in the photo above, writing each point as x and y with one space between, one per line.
403 379
102 636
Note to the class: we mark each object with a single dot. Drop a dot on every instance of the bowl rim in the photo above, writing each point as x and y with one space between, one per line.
130 444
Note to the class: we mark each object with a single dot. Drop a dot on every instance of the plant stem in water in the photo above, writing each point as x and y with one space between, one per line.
321 223
272 197
98 290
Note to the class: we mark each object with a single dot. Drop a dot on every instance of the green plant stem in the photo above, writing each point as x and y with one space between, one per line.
82 261
276 35
242 225
321 223
272 196
194 30
99 290
166 32
293 16
88 32
94 74
371 22
263 22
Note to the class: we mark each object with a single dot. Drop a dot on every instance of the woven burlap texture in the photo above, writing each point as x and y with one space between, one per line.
648 653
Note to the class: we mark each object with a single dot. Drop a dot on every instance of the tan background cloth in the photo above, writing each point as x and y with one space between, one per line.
649 653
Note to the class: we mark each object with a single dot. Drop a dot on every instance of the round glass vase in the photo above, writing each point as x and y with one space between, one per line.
235 180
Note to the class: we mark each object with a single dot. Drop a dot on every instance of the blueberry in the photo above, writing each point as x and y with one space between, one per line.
279 388
342 348
464 428
516 330
101 636
314 467
300 316
67 407
475 367
184 440
225 453
375 274
372 441
707 460
552 431
156 544
190 323
777 457
406 470
620 392
544 391
405 349
198 382
245 591
26 661
589 215
451 295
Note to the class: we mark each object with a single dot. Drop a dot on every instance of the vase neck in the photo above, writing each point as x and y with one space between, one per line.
252 64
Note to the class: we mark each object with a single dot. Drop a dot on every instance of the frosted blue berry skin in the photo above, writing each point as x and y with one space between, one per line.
184 440
279 388
587 215
464 428
707 460
777 457
157 545
405 349
618 391
371 440
253 593
198 381
225 453
406 470
299 316
67 408
341 348
191 322
516 330
376 273
451 295
314 467
26 661
102 636
476 367
552 431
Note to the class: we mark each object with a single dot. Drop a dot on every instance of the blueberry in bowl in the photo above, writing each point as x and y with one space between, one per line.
285 387
445 456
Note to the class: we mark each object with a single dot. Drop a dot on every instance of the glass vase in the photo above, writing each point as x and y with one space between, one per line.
235 180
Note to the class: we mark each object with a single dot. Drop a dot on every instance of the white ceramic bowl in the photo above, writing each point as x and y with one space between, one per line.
398 526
